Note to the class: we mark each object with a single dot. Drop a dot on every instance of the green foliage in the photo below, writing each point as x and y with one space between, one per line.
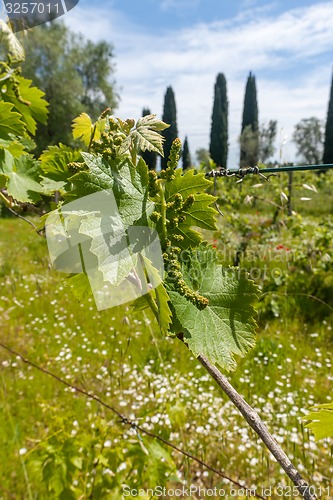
267 136
219 129
76 83
22 176
86 130
63 461
28 101
321 420
55 166
10 121
203 158
21 108
308 137
58 460
17 94
249 147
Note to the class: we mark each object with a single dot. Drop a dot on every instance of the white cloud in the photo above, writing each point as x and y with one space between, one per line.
291 56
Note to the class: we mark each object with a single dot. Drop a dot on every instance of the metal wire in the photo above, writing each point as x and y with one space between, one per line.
242 172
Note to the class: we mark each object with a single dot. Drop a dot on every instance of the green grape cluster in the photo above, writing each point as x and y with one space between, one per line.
110 140
168 173
152 183
75 166
174 215
173 266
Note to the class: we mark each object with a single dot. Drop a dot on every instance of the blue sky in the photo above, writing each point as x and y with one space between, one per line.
186 43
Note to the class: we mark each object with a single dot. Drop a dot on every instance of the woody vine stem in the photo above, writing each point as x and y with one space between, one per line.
253 419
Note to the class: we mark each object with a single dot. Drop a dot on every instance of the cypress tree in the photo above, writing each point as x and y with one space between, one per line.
328 144
150 157
219 129
250 125
169 117
186 157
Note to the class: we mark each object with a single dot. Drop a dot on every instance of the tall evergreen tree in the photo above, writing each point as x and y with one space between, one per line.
150 157
250 125
328 144
186 157
169 117
219 130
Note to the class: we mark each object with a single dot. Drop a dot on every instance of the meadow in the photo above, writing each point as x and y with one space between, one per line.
57 443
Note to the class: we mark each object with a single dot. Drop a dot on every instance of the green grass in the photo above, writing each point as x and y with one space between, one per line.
124 360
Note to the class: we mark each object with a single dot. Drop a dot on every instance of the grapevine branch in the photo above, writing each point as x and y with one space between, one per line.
124 420
253 419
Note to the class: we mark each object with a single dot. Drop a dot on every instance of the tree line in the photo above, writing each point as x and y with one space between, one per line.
76 75
313 138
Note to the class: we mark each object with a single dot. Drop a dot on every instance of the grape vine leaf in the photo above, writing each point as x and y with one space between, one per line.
321 421
200 214
22 177
10 121
128 205
129 185
85 129
14 146
96 178
50 186
79 285
54 163
54 160
34 109
226 327
145 135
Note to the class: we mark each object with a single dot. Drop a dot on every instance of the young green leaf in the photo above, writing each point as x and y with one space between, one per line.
199 213
186 184
33 108
83 128
55 159
145 136
14 146
321 421
50 186
10 121
86 130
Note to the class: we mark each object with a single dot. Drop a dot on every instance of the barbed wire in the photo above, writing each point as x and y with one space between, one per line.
240 173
